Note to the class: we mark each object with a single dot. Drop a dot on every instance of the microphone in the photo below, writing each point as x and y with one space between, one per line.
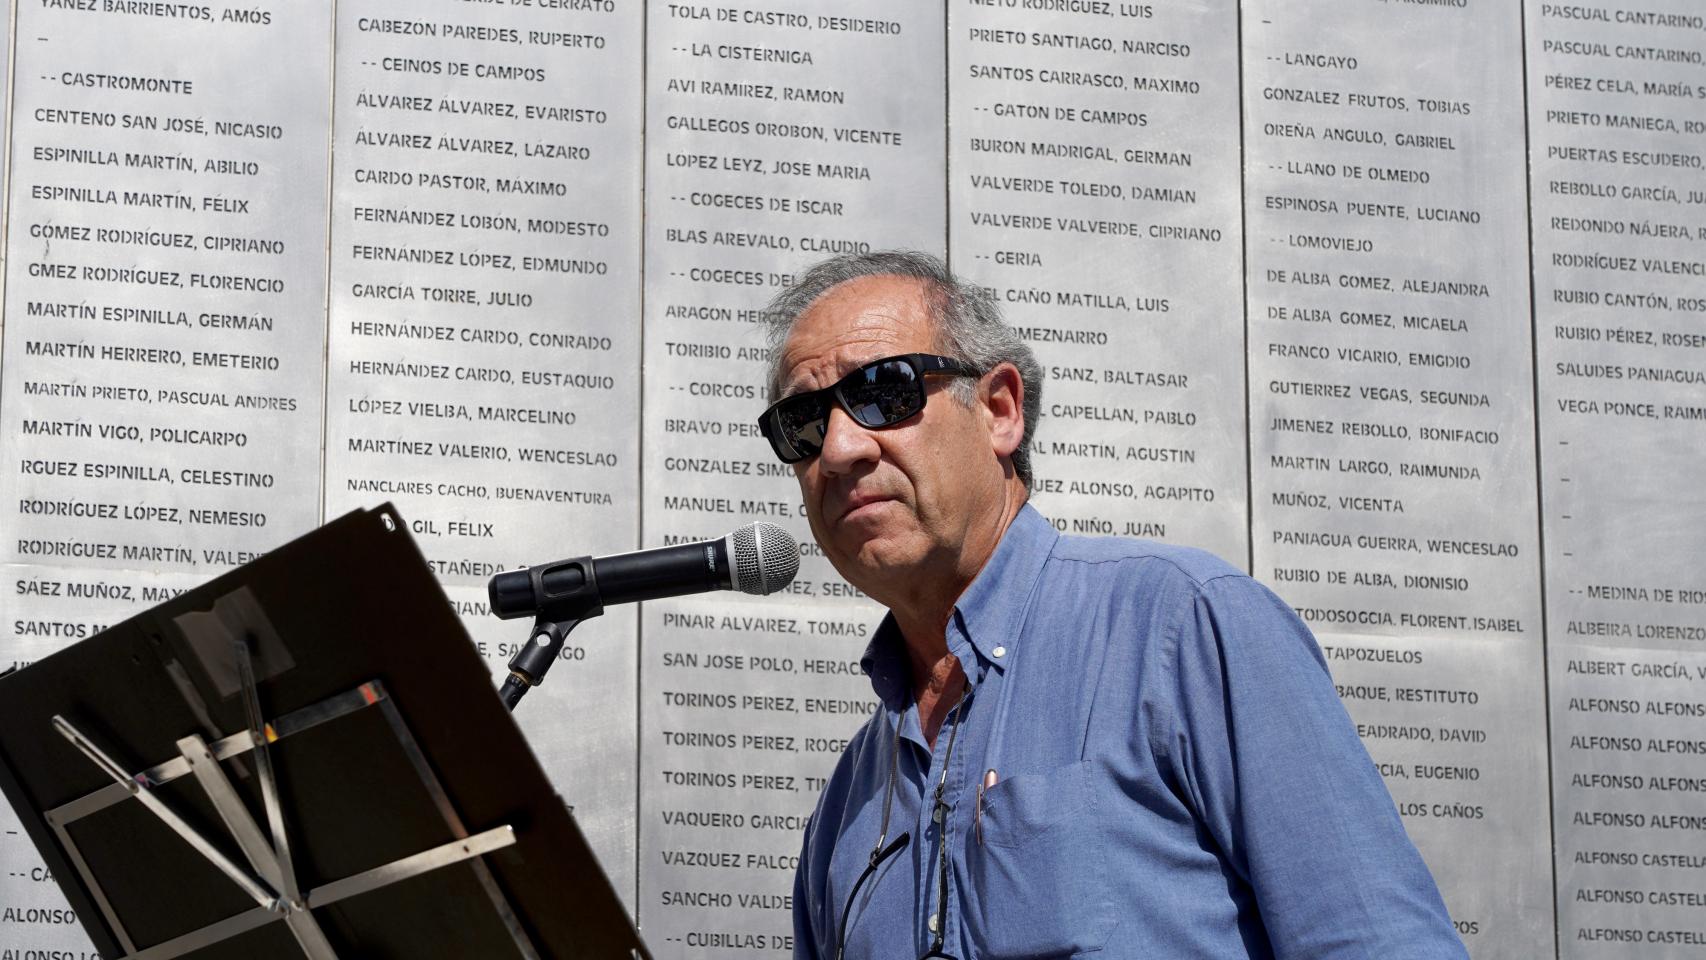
759 558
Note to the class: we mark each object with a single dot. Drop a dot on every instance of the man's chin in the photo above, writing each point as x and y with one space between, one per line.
871 523
877 557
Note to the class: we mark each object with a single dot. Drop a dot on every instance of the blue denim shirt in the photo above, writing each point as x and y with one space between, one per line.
1175 777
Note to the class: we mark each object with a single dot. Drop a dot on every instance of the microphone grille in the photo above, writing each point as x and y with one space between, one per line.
765 558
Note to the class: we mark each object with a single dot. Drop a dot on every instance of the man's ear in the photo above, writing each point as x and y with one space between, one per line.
1002 397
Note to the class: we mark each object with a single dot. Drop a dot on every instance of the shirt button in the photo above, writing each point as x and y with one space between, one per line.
932 924
999 652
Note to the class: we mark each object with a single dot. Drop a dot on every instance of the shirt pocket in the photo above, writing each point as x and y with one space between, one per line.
1037 878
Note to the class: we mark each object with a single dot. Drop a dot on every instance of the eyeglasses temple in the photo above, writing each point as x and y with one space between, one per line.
877 858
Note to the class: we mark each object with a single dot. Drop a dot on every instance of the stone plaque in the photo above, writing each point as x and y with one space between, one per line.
776 138
1094 191
484 345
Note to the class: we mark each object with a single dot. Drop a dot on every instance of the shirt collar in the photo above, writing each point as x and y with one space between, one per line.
992 610
885 663
988 616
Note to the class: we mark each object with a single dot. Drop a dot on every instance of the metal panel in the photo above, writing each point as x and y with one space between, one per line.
1618 289
1085 162
1452 722
164 340
1614 119
1391 417
160 394
484 346
46 609
1389 382
1094 189
1629 765
775 139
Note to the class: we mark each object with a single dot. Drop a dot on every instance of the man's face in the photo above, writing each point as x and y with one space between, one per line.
887 505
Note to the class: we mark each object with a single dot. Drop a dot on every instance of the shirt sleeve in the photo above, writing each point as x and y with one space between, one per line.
805 932
1271 764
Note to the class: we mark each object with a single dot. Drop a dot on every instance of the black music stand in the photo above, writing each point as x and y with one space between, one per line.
303 758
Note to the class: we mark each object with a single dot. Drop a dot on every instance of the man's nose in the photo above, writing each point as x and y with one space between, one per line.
845 443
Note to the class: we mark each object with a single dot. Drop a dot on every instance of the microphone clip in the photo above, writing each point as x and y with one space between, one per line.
565 599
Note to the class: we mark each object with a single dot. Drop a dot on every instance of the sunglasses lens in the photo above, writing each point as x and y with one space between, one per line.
800 425
884 393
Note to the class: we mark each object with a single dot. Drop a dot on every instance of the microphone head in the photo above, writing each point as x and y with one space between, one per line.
763 558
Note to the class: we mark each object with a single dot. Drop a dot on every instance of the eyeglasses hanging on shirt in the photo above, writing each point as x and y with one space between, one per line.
939 815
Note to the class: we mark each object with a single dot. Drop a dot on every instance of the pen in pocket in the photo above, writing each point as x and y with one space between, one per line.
989 780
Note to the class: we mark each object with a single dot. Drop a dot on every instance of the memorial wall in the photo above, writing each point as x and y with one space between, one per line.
1399 306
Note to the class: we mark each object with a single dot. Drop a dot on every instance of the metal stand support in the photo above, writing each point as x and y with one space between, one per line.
270 879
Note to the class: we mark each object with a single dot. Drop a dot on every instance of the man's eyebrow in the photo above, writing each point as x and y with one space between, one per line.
842 369
797 385
790 388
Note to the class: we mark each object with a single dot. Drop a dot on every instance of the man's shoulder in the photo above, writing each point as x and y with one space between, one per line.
1146 558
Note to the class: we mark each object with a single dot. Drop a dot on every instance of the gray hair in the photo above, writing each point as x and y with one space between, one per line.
966 318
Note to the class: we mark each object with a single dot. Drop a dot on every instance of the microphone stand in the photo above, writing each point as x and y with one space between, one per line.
562 611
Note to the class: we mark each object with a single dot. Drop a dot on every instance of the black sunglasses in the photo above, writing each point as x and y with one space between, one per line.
881 393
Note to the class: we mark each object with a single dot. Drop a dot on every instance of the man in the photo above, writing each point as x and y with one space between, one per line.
1084 746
